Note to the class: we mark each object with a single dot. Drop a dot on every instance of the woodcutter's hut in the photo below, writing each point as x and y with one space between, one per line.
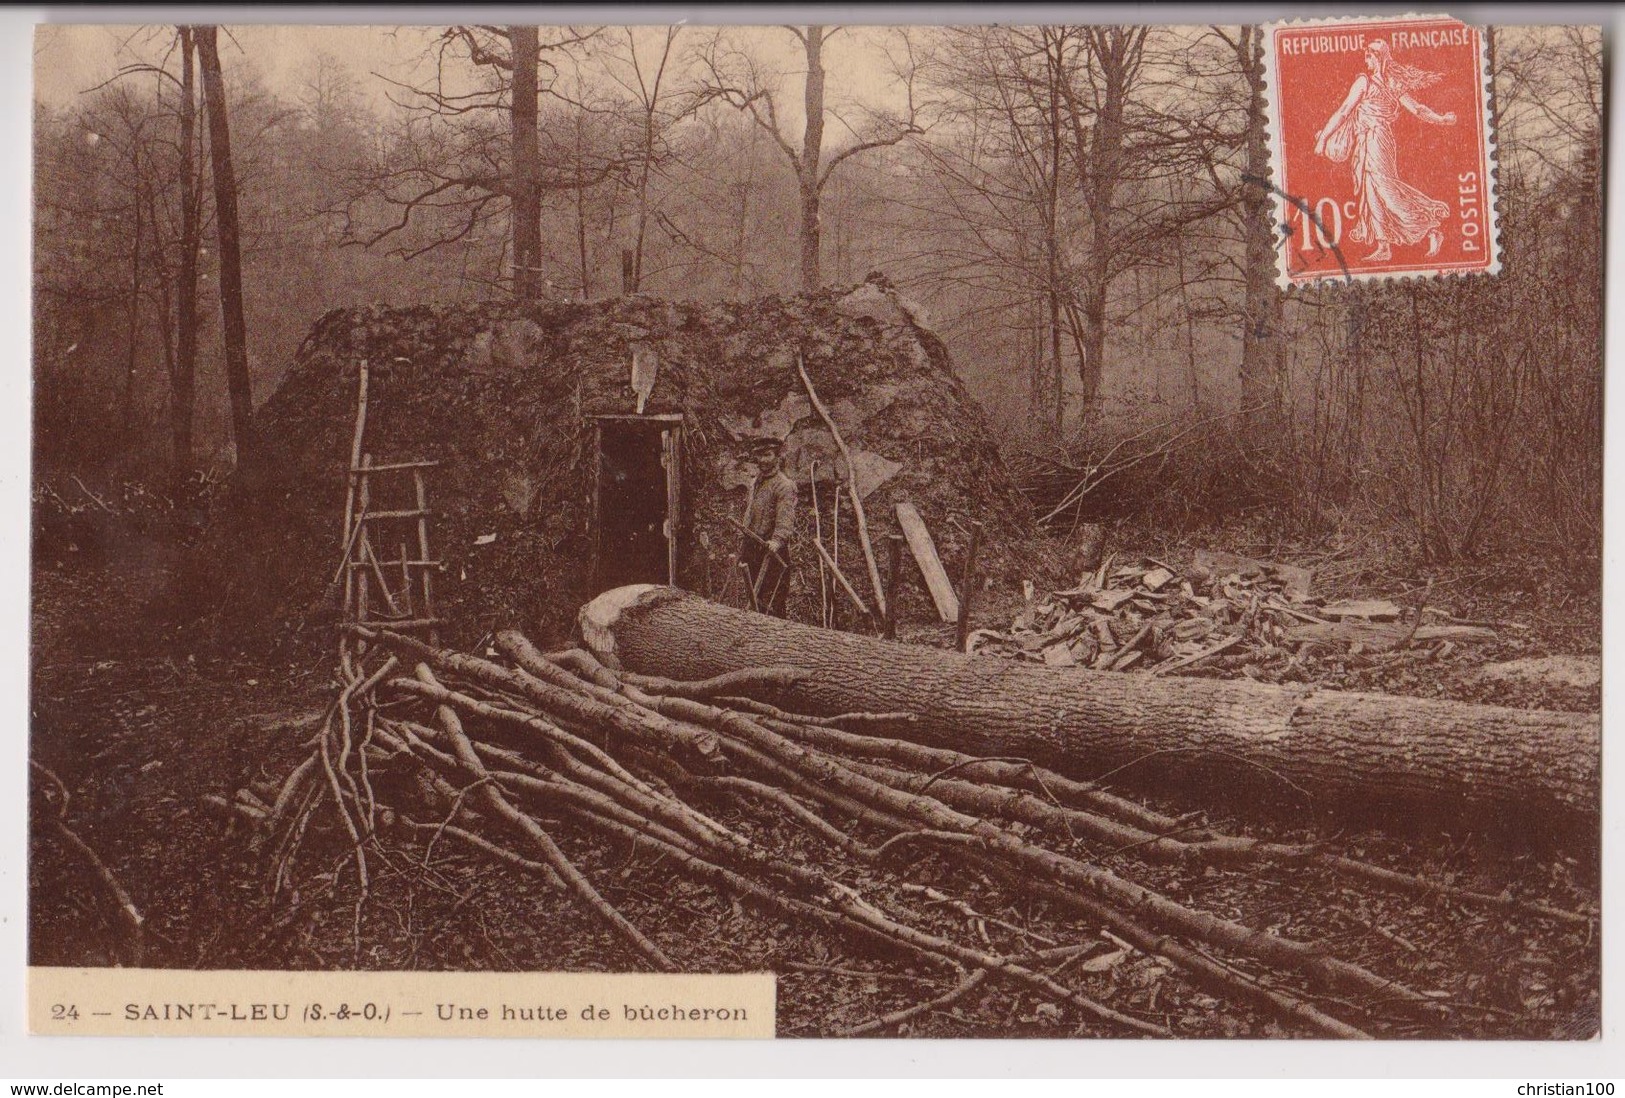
582 446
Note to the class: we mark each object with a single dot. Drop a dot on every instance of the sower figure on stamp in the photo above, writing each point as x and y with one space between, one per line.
1390 211
770 519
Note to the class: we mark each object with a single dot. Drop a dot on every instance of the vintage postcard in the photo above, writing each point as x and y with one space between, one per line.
817 531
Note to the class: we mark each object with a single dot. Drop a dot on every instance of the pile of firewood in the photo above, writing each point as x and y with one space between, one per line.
1227 612
425 745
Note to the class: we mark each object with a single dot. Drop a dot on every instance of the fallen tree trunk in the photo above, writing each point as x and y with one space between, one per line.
537 761
1410 763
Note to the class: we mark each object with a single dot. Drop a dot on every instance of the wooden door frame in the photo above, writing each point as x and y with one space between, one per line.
671 455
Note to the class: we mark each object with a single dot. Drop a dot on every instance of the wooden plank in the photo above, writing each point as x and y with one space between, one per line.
394 465
396 625
1157 578
1058 655
1383 635
671 457
595 507
1110 600
437 565
1371 609
1197 657
925 555
1454 632
1272 603
967 585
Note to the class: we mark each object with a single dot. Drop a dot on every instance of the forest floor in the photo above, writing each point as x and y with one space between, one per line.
140 731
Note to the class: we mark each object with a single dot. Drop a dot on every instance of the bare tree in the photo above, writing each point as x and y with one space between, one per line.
140 188
994 203
146 115
1263 352
461 160
183 376
1098 113
708 202
738 79
624 105
658 110
1064 169
229 235
527 196
90 233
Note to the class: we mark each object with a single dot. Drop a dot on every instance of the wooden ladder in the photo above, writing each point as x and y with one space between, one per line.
403 586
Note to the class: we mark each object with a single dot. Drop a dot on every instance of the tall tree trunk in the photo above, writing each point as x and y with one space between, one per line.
132 334
1092 363
183 380
1105 168
527 196
641 233
1263 353
1115 52
164 285
650 103
1405 762
231 261
812 150
1054 64
583 264
1354 340
1057 373
1184 312
1037 395
744 188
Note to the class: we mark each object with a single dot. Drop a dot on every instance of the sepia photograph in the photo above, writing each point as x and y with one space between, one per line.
824 530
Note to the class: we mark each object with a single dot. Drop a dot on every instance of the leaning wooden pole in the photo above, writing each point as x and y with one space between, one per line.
356 440
1406 763
967 587
851 485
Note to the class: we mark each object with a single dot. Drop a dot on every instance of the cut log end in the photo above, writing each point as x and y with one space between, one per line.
600 616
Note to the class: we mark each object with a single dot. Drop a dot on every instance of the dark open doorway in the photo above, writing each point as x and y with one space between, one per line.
636 499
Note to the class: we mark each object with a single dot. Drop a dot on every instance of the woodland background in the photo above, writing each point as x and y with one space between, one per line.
1068 203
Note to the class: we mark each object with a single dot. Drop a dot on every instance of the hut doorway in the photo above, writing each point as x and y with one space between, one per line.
637 496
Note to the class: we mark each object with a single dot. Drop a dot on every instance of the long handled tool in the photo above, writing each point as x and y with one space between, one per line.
784 566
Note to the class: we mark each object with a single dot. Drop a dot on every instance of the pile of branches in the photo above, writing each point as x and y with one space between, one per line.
1079 477
426 745
1228 614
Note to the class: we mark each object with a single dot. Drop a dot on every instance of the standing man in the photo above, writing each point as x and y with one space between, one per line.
770 516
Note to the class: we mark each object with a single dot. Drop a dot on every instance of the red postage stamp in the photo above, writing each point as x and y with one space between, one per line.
1382 149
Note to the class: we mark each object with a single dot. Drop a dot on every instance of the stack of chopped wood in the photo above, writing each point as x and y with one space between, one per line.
820 822
1226 612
